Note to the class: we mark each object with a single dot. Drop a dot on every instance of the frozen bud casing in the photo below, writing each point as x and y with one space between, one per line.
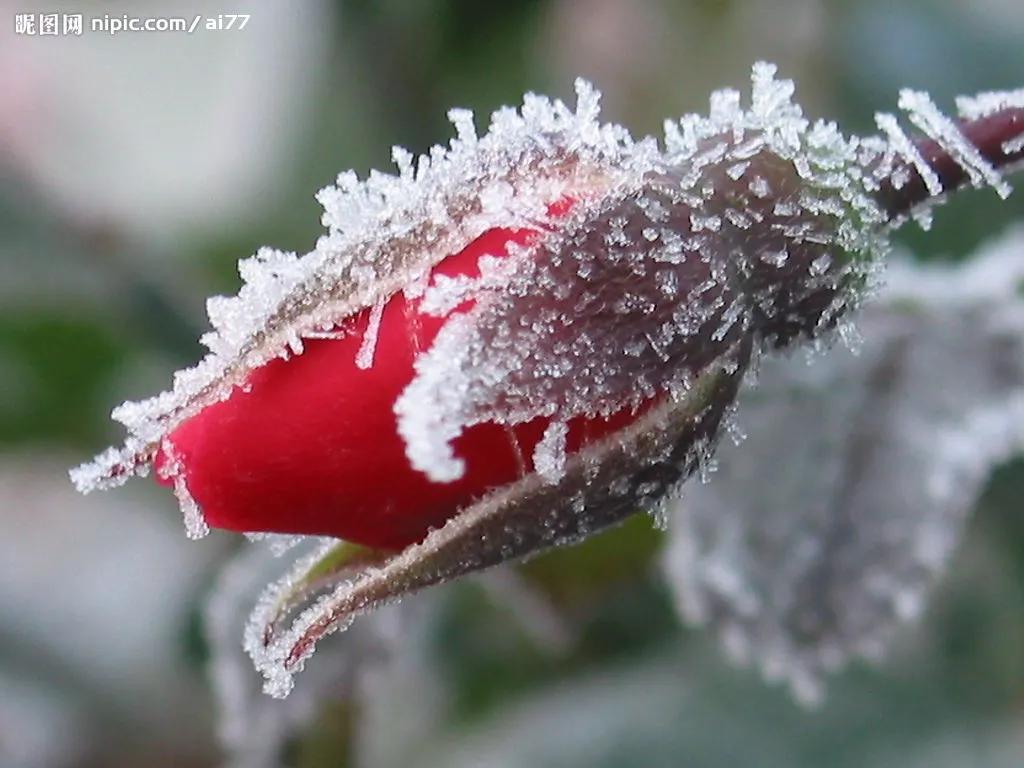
517 339
541 281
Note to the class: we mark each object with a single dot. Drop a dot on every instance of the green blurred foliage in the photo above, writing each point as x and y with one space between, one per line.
60 376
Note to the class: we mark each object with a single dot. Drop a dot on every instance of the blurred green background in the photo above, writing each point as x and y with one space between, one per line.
138 168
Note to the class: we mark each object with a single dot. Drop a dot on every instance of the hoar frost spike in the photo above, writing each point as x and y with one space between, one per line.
526 336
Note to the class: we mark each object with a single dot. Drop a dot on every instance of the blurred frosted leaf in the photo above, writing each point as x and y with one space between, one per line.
217 107
92 599
403 701
826 528
37 729
254 729
994 747
681 709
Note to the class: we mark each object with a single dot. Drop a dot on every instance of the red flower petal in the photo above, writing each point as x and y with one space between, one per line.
311 445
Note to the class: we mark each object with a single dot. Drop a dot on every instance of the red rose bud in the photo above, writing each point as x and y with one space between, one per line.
310 444
529 335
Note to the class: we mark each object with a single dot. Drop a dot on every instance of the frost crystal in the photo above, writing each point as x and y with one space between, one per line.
904 147
364 358
549 457
988 103
192 515
926 116
1010 146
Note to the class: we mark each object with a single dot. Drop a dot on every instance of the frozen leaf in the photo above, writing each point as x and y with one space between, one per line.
826 528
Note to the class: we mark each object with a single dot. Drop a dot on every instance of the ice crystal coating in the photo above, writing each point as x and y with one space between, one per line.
364 358
192 515
989 103
695 238
669 268
803 558
549 456
658 273
903 146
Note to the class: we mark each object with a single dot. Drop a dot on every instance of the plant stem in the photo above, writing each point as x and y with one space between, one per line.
988 134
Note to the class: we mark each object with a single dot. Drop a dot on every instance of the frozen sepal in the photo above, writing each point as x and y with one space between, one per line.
601 485
805 557
634 293
254 731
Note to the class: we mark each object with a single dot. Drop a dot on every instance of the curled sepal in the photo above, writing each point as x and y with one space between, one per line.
324 568
255 732
601 486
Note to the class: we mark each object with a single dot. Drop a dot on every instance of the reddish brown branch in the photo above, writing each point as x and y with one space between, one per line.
989 134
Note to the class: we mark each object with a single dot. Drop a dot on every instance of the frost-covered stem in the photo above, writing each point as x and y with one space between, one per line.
991 135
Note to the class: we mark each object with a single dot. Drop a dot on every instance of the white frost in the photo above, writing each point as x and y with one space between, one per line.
923 113
988 103
549 455
904 147
364 357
